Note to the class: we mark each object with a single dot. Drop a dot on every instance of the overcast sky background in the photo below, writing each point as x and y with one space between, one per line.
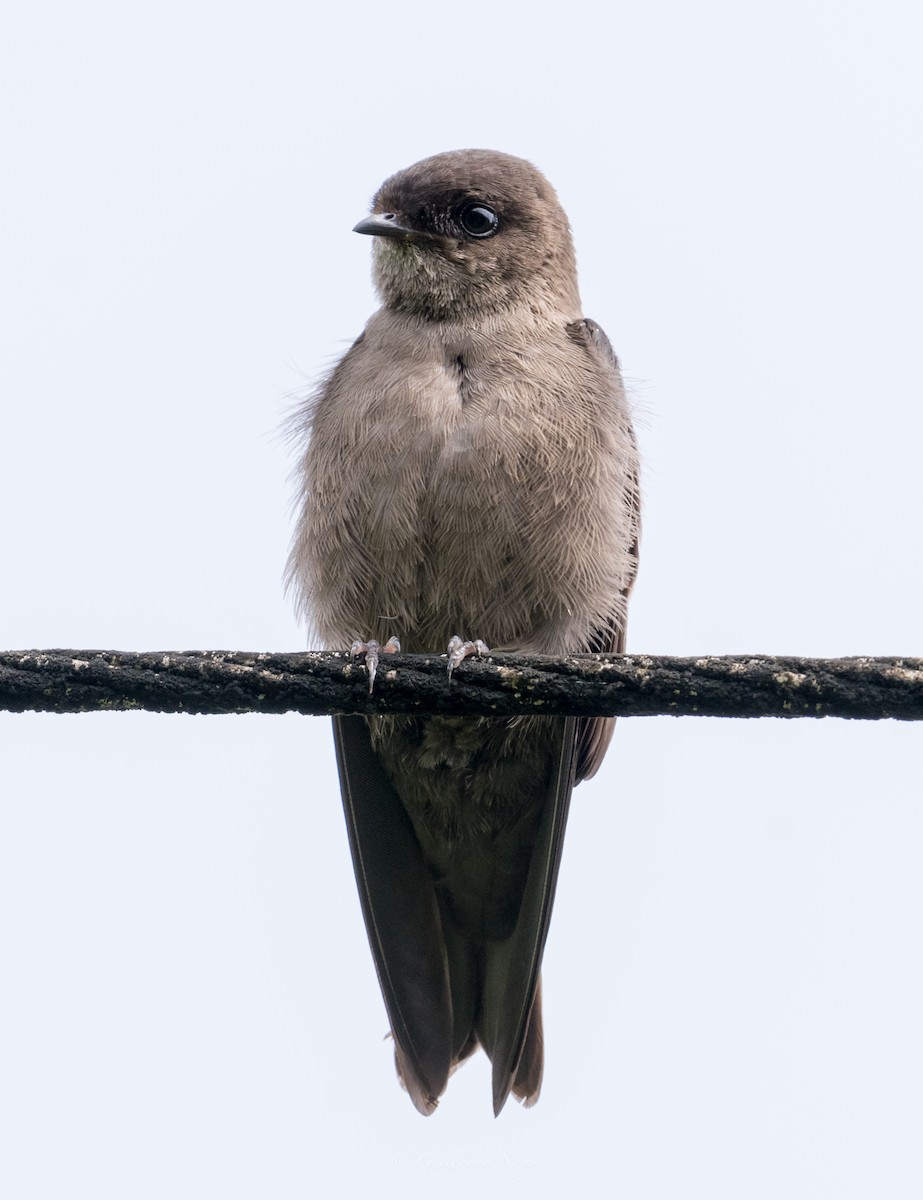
733 978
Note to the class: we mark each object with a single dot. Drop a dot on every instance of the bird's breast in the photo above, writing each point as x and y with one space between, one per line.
457 513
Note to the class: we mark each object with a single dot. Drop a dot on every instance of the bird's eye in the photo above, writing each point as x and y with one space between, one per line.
478 221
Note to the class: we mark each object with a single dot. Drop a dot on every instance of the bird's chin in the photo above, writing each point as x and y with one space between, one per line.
413 276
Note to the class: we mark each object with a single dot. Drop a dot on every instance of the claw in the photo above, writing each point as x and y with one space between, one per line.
459 651
371 650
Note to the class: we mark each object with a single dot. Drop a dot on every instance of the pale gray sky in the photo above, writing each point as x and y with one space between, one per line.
733 977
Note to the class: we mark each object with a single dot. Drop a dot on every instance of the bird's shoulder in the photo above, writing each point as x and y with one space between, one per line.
592 337
455 371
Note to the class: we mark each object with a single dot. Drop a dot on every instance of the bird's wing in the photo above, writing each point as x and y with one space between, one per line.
512 967
595 733
401 915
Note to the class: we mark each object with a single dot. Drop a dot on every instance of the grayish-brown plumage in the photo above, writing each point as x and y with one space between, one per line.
469 468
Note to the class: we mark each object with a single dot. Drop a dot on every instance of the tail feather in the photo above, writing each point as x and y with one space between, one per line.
423 1099
527 1084
446 991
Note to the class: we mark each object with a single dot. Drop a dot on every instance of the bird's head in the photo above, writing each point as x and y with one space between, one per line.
470 233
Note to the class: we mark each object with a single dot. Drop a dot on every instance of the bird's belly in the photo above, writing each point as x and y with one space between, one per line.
458 528
476 540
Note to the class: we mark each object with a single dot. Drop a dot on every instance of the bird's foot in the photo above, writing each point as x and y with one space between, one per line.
459 651
371 650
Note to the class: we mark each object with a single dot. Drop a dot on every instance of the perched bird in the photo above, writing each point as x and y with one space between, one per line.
468 467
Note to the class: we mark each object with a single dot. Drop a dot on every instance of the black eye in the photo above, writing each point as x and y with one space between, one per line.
478 220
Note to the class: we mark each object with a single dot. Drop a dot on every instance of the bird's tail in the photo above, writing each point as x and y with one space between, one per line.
524 1080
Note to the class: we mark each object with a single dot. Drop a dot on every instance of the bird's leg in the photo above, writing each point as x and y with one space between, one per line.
371 650
459 651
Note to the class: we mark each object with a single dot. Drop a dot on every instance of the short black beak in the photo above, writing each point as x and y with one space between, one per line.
383 225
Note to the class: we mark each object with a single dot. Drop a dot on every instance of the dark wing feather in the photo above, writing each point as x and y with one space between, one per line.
401 915
512 967
595 733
